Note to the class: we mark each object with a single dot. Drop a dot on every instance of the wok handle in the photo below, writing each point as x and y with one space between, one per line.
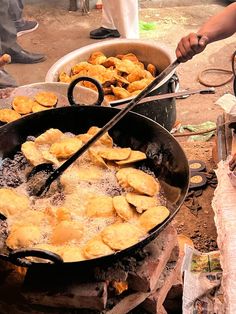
72 85
18 257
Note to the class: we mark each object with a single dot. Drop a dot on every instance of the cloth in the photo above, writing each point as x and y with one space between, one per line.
224 204
7 28
16 11
232 177
121 15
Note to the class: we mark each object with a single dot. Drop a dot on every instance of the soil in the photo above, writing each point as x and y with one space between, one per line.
61 32
199 224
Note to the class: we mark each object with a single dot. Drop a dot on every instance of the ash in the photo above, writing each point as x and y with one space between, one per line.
12 171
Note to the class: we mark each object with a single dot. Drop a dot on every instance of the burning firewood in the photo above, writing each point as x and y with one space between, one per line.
120 286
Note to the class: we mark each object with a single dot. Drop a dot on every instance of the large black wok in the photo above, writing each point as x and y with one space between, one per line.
165 158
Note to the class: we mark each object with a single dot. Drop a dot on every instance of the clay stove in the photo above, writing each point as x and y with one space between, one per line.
135 284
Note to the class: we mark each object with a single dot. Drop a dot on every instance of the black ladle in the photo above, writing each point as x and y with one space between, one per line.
56 173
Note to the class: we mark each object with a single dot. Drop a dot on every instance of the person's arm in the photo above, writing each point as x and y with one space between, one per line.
219 26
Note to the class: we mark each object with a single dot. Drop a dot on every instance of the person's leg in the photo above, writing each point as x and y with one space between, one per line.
7 28
16 11
8 39
6 80
107 18
23 26
125 17
108 28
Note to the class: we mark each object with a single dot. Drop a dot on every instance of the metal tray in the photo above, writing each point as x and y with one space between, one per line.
82 95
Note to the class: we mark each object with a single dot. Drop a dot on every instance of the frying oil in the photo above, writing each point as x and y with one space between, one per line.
76 200
80 182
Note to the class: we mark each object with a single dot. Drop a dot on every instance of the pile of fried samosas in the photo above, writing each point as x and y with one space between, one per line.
22 105
122 76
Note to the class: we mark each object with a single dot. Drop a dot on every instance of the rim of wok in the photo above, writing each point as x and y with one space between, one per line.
151 235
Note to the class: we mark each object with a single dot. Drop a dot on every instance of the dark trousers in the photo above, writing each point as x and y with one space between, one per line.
16 11
7 28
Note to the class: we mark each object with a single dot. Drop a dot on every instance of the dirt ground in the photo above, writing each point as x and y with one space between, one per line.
199 224
61 32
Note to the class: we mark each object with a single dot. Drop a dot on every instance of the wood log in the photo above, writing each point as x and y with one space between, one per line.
77 296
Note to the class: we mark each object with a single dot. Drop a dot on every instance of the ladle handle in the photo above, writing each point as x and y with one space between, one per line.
210 90
70 92
18 257
158 80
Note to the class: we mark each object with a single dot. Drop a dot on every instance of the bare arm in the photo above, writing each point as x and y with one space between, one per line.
219 26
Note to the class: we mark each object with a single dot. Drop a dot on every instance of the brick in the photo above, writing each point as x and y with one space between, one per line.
174 254
146 276
168 268
154 302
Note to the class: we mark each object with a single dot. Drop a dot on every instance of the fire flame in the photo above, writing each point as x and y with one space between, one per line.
120 286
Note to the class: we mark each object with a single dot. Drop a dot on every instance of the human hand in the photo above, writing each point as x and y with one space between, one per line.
190 45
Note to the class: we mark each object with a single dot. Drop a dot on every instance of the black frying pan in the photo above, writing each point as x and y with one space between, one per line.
105 128
165 158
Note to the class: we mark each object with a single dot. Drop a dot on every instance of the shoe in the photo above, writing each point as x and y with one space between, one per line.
102 33
27 27
6 80
23 56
